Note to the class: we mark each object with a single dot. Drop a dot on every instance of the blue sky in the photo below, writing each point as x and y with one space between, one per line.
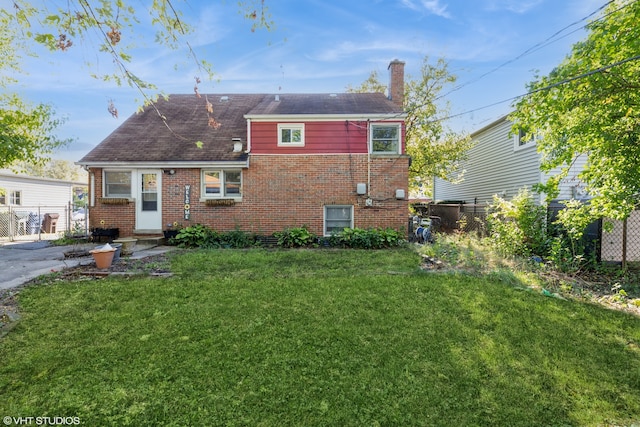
319 46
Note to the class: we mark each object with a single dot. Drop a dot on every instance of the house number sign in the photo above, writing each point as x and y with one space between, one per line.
187 201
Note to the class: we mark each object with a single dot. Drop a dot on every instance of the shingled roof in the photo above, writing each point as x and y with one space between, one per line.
144 137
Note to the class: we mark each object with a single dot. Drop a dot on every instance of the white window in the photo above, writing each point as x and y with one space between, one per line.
385 139
117 184
521 140
291 134
3 196
221 183
15 198
337 218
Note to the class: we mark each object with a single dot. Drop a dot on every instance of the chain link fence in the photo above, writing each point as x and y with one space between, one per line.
41 222
622 242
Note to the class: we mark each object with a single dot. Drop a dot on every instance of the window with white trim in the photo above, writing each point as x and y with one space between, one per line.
337 218
385 139
221 183
3 196
291 134
15 198
117 184
522 140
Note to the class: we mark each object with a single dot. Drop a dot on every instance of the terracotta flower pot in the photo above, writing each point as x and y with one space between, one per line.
103 258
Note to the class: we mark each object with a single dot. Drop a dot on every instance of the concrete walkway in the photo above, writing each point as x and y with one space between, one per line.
24 261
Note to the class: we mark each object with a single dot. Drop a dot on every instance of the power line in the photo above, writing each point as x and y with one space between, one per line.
551 86
549 40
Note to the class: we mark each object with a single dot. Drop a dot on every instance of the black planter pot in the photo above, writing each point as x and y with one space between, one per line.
97 234
170 234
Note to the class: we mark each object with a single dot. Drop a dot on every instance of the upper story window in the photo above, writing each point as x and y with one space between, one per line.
117 184
221 183
385 139
524 139
15 198
291 134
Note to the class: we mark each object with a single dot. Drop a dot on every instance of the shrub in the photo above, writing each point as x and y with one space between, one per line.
193 236
296 237
518 226
372 238
201 236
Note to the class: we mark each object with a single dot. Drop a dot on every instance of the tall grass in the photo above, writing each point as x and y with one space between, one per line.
315 337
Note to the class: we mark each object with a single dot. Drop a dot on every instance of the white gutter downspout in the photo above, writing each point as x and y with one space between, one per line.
248 135
92 189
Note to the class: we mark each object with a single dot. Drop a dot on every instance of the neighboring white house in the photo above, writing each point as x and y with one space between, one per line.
25 201
502 163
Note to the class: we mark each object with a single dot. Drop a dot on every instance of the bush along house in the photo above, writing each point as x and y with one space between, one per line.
259 163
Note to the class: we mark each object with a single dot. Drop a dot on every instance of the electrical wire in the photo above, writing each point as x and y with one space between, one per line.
551 86
549 40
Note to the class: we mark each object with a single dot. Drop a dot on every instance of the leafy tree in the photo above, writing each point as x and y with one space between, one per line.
435 150
26 130
54 169
371 85
590 105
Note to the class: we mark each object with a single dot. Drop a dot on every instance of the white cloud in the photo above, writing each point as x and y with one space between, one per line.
515 6
431 6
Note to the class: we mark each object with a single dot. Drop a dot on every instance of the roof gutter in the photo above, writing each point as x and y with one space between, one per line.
324 118
172 164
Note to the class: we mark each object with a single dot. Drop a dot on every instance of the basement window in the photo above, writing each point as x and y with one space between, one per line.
337 218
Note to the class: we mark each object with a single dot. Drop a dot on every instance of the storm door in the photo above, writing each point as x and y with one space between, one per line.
149 201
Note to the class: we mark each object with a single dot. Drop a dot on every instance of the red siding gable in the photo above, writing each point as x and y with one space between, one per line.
332 137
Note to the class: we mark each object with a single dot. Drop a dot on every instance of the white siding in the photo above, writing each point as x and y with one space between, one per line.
38 192
572 187
494 166
40 195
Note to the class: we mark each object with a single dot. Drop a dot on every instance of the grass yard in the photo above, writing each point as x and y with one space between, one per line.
317 337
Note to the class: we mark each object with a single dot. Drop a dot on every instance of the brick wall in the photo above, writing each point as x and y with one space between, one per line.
110 216
279 192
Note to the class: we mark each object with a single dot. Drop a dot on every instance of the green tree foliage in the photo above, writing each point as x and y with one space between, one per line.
435 150
590 105
371 85
518 226
54 169
26 131
106 27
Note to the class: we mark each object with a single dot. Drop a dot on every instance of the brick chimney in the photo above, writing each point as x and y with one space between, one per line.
396 82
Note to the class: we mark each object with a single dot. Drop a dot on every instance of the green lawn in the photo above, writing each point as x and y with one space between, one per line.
317 337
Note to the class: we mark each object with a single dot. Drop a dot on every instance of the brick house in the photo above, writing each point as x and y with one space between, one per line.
327 161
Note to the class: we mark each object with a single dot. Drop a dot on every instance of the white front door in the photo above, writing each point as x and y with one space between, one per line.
149 200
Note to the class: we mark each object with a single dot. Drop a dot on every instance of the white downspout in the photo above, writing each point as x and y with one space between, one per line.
248 135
